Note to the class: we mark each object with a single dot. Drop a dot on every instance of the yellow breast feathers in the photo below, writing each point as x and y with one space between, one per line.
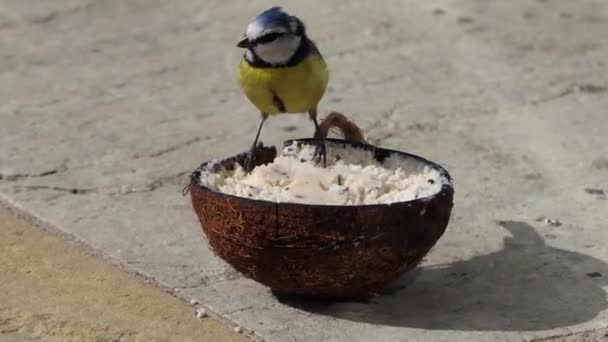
299 88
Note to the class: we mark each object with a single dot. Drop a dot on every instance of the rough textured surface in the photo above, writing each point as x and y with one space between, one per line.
107 106
52 291
335 252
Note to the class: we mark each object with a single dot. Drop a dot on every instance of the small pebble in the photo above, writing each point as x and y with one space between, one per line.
193 301
200 313
549 221
238 330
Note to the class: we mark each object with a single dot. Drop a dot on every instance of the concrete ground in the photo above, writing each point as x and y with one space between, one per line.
106 106
52 290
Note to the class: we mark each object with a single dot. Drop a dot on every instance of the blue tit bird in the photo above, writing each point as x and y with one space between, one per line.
282 71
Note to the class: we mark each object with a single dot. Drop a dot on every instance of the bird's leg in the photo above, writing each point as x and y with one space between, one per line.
250 161
320 150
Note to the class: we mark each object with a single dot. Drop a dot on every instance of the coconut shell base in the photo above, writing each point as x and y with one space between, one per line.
326 251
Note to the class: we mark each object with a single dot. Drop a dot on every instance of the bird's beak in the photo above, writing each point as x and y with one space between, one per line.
244 43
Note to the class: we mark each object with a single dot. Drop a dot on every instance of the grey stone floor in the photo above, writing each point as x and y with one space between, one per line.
106 106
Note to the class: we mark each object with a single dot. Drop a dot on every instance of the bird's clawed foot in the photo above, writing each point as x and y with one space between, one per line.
320 152
251 160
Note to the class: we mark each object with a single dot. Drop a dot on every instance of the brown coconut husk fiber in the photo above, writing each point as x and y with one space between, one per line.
337 252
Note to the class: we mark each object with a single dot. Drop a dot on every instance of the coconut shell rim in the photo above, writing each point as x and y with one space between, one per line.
446 189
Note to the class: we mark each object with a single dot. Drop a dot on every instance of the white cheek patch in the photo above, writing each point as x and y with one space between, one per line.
279 51
249 55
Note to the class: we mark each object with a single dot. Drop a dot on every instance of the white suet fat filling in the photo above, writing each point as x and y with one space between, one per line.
352 177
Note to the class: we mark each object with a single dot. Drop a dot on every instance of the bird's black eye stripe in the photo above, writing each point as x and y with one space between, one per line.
267 38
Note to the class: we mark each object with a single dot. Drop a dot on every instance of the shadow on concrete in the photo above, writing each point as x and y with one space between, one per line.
526 286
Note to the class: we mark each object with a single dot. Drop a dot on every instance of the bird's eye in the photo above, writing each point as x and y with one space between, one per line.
267 38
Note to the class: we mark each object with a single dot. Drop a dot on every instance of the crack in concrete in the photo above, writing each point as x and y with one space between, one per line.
381 140
590 88
18 176
155 184
175 147
53 15
135 262
240 310
586 88
251 307
566 92
73 191
43 19
112 190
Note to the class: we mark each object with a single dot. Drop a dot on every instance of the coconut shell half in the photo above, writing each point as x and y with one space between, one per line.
329 251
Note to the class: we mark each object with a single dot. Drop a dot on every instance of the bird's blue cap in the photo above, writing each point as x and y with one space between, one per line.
273 16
